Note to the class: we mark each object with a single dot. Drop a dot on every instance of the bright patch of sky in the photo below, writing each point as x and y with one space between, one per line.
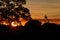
39 8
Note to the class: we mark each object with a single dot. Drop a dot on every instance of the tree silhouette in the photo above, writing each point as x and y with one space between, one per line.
7 6
13 9
46 18
21 1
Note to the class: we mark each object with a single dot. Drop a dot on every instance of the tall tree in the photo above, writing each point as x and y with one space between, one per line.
10 7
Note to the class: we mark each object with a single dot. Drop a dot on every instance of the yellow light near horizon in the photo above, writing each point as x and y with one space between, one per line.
14 24
4 23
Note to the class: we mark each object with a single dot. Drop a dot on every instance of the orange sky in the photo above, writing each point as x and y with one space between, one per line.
38 8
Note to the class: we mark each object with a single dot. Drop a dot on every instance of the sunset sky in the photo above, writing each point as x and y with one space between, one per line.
39 8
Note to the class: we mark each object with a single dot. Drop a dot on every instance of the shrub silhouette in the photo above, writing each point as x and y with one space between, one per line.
33 26
50 27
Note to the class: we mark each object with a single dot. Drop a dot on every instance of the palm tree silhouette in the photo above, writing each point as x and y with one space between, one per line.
46 18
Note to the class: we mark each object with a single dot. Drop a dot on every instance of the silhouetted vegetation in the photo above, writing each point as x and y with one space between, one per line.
11 13
33 26
50 27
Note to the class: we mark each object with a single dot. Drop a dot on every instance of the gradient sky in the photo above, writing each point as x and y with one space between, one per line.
38 8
